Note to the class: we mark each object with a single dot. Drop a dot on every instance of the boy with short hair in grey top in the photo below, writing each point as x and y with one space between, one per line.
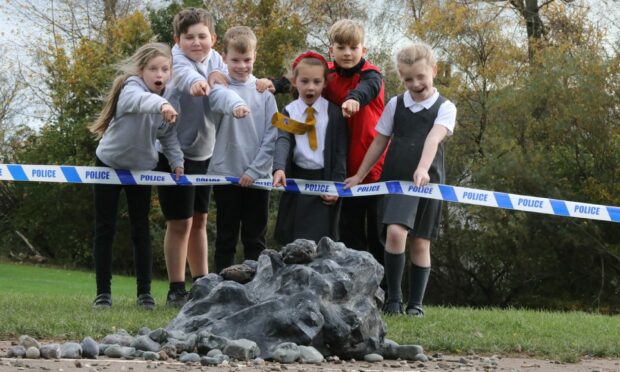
243 148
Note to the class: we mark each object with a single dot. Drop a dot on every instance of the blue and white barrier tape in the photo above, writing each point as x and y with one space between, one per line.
103 175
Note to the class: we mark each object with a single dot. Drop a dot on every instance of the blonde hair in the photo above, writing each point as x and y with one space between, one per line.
240 38
346 32
414 53
131 66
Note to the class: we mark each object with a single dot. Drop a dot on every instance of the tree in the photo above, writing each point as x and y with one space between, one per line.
78 71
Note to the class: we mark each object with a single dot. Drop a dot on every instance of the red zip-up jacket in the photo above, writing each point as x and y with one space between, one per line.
341 85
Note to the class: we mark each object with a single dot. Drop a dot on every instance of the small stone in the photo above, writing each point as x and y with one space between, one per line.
189 358
241 273
163 355
373 358
421 358
27 341
33 353
150 355
213 353
242 349
286 352
145 343
144 331
16 352
408 352
90 349
51 351
308 354
78 363
70 350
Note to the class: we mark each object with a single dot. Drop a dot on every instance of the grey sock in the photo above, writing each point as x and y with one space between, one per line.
394 267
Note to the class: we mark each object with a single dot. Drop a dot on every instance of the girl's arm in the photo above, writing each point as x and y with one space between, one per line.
373 154
433 139
135 100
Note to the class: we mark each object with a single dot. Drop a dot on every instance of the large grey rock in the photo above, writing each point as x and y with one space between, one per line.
189 358
331 301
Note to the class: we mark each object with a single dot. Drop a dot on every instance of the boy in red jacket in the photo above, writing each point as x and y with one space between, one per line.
357 86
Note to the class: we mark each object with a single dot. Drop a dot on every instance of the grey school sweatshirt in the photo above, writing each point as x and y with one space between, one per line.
246 145
129 140
195 129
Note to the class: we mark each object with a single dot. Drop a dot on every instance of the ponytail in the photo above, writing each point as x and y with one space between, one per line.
109 108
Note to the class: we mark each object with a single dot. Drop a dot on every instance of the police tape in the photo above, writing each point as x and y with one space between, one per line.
104 175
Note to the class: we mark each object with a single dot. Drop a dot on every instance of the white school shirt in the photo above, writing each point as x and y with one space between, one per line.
303 156
446 116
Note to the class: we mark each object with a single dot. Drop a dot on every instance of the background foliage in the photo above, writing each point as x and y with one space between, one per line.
536 83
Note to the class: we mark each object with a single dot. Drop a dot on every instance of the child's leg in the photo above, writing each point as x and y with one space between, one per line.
420 270
198 246
175 248
255 214
229 202
138 206
394 265
106 204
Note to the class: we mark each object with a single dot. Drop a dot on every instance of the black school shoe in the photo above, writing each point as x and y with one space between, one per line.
415 311
103 301
393 308
145 301
176 298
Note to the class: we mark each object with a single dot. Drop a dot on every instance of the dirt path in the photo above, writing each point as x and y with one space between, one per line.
448 363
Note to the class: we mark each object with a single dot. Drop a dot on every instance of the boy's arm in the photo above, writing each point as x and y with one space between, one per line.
373 154
264 158
432 141
339 173
368 88
185 74
223 100
133 99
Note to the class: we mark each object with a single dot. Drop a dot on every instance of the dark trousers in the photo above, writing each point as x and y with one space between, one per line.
359 227
106 207
239 208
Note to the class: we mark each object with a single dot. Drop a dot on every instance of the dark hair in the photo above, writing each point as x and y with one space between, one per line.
189 17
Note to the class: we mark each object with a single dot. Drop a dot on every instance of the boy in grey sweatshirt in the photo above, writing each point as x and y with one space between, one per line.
243 148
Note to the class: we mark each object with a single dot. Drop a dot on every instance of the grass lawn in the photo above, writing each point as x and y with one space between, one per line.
49 303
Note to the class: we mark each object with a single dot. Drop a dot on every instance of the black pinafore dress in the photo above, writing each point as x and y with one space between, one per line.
420 215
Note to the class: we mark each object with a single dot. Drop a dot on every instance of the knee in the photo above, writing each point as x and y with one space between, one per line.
420 246
199 221
179 227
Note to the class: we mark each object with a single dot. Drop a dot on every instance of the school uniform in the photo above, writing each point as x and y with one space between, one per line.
243 146
359 227
195 132
129 143
305 216
408 128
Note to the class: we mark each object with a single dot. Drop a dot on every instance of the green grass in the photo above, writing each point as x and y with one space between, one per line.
50 303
